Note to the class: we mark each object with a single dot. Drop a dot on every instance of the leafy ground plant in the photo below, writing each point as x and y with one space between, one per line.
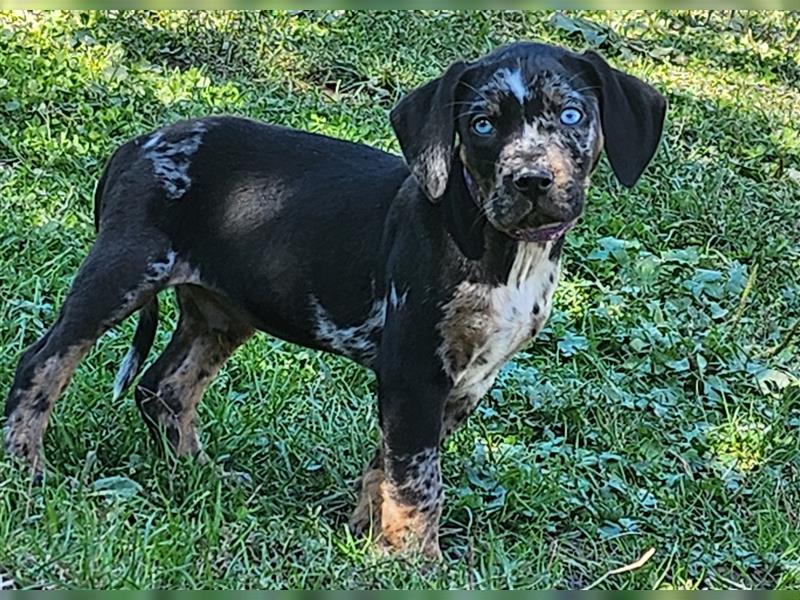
659 410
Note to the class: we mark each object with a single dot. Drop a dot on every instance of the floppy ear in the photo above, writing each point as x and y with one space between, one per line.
424 122
631 113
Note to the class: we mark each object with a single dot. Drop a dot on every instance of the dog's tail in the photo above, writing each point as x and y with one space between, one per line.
142 341
99 190
148 314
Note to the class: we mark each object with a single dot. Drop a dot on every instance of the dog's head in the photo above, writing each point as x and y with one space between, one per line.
528 122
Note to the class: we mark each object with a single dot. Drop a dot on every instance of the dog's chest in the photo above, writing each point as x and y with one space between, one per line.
484 325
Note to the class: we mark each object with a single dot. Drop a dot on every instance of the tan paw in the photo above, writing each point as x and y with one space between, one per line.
366 518
409 529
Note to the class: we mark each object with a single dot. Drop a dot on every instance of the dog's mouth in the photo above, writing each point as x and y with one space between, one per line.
541 233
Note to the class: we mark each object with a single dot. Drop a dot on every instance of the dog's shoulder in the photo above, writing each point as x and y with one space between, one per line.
415 238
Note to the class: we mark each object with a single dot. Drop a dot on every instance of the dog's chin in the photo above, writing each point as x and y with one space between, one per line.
541 233
537 228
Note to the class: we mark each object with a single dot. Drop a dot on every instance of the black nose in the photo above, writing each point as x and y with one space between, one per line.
533 182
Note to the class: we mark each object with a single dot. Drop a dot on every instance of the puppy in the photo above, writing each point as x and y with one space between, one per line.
431 271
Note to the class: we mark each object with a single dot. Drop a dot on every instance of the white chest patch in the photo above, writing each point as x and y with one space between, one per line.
484 325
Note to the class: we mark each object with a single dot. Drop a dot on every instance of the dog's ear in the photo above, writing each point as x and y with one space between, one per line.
424 122
631 112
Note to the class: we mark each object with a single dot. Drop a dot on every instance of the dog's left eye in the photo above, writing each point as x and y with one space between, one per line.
482 126
571 116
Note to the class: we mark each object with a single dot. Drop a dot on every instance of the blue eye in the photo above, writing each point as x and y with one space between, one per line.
482 126
571 116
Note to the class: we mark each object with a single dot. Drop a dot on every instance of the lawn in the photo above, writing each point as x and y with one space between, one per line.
660 408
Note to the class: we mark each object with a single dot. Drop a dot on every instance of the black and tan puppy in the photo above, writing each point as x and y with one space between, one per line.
431 271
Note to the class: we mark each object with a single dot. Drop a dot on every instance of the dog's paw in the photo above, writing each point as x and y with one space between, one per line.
413 549
25 454
366 518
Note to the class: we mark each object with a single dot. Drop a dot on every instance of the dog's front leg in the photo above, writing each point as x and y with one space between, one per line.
411 490
412 391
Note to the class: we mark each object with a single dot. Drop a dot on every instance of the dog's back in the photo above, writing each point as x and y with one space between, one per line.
292 196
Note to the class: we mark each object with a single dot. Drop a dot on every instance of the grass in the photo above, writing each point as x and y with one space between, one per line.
659 409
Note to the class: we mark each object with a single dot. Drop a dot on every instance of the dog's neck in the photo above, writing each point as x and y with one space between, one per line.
463 217
488 250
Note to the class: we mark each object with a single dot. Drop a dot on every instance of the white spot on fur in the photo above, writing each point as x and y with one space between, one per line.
160 270
6 583
171 158
126 372
515 85
510 81
172 270
154 139
397 301
358 342
511 314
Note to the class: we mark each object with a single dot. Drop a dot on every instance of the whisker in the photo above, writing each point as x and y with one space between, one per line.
481 215
476 90
480 206
482 212
466 113
475 221
586 88
459 103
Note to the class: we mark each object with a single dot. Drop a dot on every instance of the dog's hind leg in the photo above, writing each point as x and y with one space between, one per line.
170 390
115 279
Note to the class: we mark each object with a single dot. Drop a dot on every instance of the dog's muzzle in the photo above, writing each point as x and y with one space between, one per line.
533 186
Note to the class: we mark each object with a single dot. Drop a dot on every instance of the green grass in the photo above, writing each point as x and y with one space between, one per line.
659 409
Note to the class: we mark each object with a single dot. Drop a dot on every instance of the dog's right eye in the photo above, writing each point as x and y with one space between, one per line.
571 116
482 126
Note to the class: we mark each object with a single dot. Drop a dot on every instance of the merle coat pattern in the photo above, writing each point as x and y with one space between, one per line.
431 271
